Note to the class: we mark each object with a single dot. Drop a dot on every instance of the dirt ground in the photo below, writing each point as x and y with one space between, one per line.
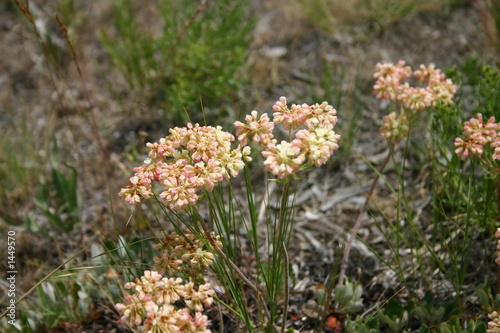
94 128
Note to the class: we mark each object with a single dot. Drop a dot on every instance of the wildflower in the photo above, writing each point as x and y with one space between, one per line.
260 130
167 291
155 305
494 324
481 131
283 159
132 311
389 85
442 91
388 88
398 71
184 253
160 319
291 118
202 143
195 299
178 194
179 136
232 162
161 149
199 257
190 159
170 172
416 98
204 175
188 323
149 170
497 236
317 144
395 127
199 323
321 115
428 74
468 148
140 187
496 145
146 284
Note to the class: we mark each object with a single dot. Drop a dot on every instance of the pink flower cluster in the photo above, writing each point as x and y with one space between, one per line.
153 304
389 85
478 133
494 324
183 254
312 144
497 236
395 127
189 159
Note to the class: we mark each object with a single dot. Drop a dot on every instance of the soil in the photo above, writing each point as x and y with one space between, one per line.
100 127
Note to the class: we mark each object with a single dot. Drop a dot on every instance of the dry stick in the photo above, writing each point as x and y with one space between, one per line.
233 265
25 10
354 231
93 121
488 20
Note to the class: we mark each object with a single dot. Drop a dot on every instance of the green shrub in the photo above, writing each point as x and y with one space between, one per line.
194 61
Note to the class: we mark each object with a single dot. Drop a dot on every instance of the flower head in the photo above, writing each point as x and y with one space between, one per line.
478 134
395 127
398 72
496 145
260 130
494 323
468 148
311 137
196 299
139 188
388 88
184 253
283 159
317 144
416 98
389 85
482 131
290 118
321 115
190 159
155 304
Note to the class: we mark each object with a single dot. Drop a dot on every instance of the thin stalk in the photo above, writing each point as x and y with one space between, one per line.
354 231
287 292
191 20
233 266
498 199
498 218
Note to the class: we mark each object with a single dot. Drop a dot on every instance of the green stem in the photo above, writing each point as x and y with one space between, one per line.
287 292
233 265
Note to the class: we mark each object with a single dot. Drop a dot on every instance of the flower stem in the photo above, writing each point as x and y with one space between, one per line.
498 198
233 266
